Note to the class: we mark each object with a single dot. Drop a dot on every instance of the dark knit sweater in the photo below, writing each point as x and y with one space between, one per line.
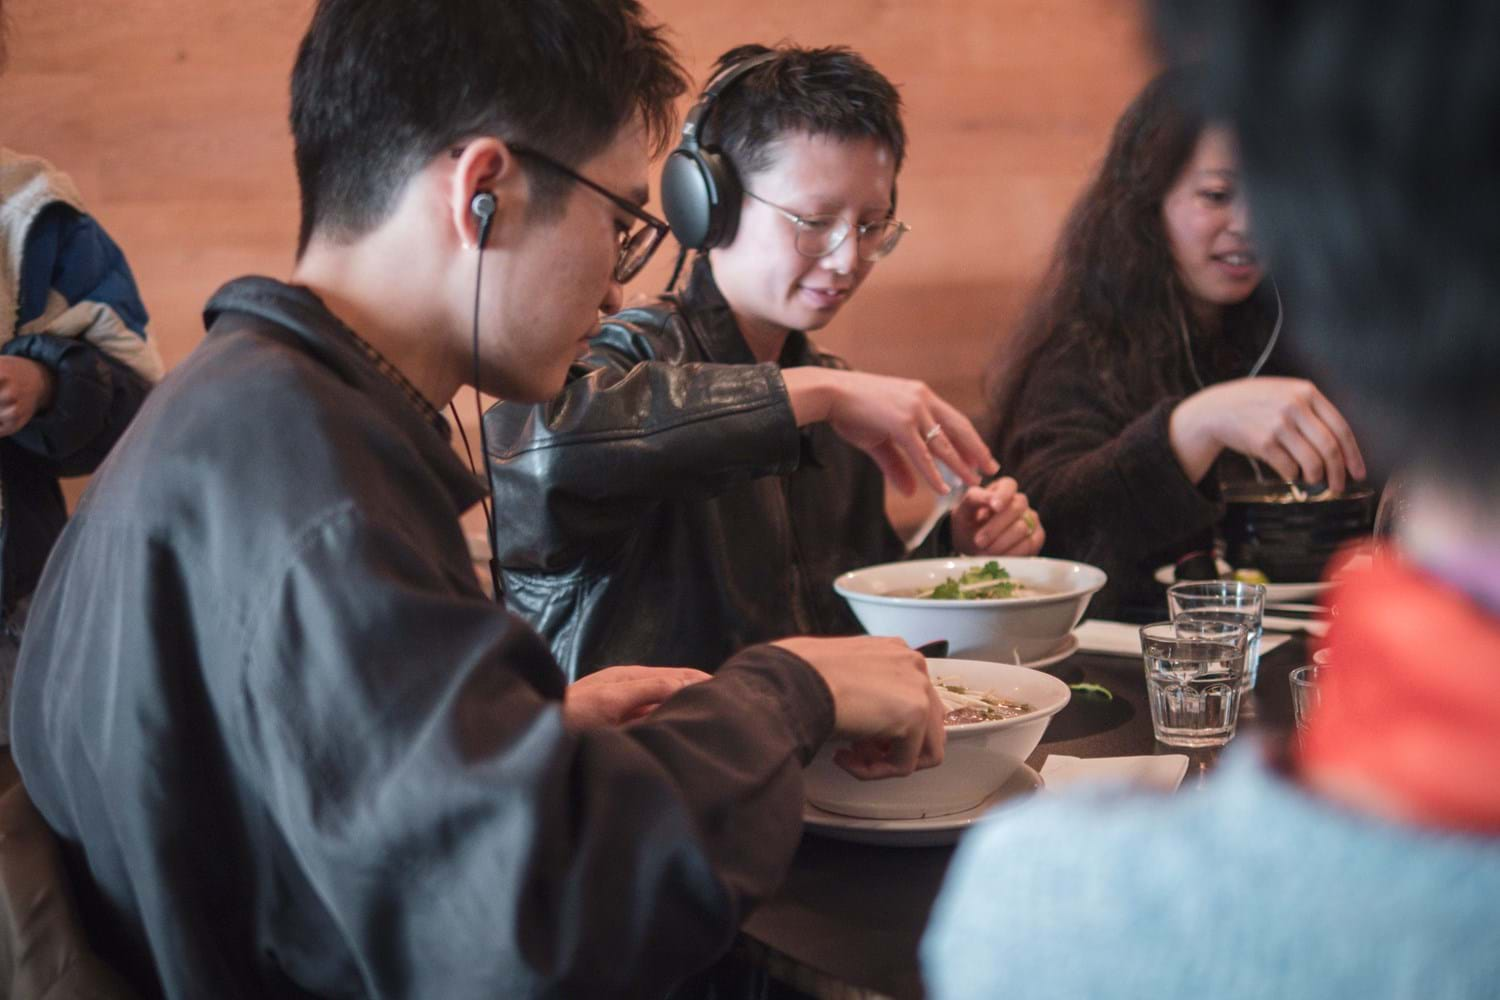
1103 476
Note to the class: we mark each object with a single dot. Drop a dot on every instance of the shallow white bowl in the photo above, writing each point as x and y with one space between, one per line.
1008 629
979 757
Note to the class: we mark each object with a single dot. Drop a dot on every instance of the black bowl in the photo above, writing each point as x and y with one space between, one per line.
1266 527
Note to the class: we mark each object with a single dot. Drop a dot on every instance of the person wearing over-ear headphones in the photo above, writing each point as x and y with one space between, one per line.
291 747
708 471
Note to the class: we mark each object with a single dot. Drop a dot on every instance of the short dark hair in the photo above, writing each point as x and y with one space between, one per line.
1370 142
829 91
382 86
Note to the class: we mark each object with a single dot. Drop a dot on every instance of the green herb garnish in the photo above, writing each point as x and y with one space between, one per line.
961 587
947 591
1093 692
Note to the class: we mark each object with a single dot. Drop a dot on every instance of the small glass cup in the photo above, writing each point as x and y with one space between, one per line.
1223 601
1392 511
1194 679
1307 693
1393 516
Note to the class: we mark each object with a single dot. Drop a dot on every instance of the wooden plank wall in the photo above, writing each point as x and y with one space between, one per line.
171 116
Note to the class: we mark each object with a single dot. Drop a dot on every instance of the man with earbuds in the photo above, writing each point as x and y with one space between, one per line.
288 745
708 471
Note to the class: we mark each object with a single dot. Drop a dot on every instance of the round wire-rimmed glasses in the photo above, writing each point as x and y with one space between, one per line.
821 235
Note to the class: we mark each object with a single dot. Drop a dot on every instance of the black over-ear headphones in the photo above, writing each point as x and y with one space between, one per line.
700 191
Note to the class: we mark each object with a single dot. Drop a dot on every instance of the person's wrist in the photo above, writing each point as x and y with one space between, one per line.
1192 422
1191 432
810 394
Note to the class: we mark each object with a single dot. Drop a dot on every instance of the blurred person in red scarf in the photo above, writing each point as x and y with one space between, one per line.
1367 862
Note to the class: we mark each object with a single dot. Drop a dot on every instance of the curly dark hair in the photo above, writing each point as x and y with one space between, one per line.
1370 145
1113 283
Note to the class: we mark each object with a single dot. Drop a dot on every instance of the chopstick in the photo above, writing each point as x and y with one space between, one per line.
1302 609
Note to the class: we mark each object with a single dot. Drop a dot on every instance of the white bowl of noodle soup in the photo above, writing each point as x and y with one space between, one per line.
979 758
1050 599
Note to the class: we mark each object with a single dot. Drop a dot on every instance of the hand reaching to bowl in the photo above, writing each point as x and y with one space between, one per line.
883 703
996 520
615 695
899 422
1285 422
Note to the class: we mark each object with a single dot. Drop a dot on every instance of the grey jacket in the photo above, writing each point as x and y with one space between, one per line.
665 508
292 750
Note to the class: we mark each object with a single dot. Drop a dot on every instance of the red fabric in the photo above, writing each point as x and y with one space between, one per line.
1412 703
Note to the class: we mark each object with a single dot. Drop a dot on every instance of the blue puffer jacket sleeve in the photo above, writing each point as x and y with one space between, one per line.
74 274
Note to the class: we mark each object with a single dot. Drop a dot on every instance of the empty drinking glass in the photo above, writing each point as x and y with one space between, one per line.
1306 694
1394 510
1194 678
1224 601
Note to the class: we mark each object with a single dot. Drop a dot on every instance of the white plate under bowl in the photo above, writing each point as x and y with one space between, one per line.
1067 648
1274 591
929 832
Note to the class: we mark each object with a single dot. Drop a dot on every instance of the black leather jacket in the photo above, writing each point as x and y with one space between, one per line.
292 751
665 508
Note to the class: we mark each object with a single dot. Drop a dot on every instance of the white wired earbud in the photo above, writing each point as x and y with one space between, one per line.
1275 333
1265 354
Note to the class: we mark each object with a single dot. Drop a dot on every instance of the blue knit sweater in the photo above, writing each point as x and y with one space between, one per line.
1248 887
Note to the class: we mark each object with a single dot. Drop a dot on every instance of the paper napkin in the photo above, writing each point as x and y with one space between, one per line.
1161 772
1121 639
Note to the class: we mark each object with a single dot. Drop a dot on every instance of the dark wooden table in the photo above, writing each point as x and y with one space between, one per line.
847 923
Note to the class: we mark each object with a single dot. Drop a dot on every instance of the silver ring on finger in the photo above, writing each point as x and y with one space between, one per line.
932 432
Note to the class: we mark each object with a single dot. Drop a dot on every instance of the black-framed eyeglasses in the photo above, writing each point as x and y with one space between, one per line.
636 246
821 235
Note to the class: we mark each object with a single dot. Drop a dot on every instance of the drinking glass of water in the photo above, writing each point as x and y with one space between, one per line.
1223 601
1194 679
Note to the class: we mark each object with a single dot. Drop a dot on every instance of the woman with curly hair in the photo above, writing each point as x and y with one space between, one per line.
1145 365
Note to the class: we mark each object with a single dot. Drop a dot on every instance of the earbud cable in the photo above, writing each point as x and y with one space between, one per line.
1265 354
486 502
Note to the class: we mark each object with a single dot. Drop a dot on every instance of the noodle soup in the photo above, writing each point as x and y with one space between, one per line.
963 706
979 757
1007 608
981 583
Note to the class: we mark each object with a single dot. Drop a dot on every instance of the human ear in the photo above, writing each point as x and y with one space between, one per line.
480 185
